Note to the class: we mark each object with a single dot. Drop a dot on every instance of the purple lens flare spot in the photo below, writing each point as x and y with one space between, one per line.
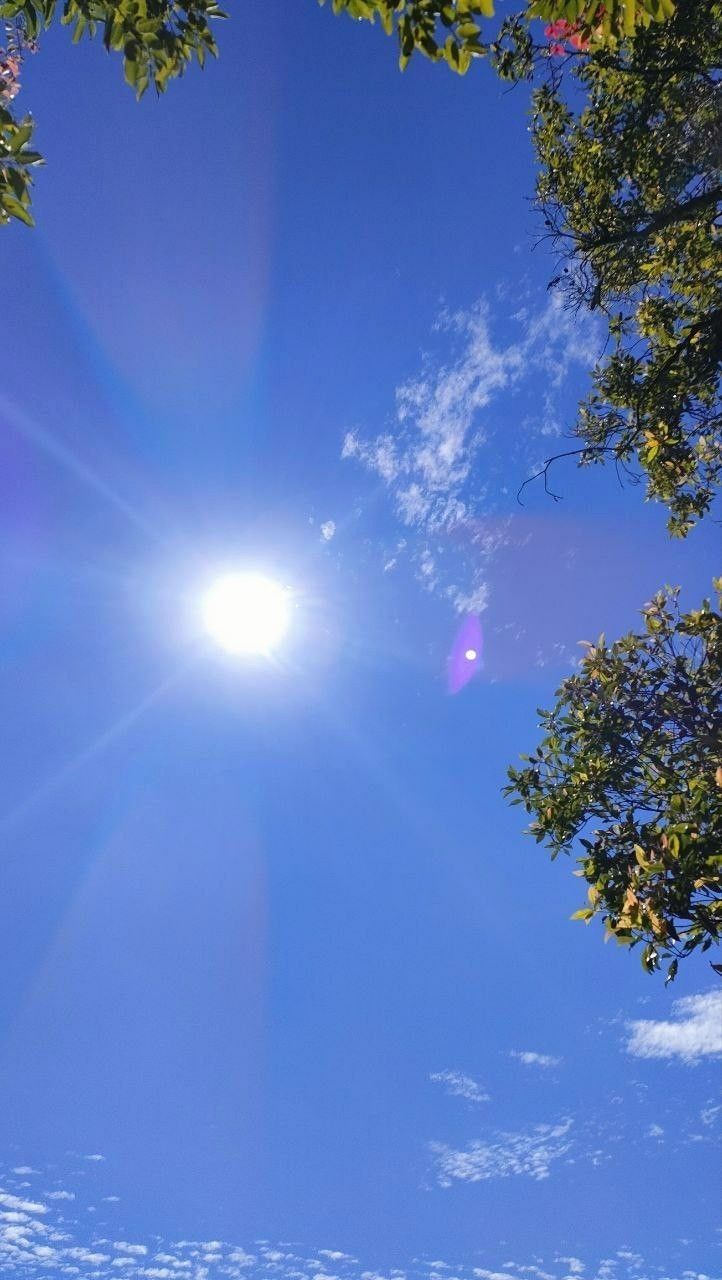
466 653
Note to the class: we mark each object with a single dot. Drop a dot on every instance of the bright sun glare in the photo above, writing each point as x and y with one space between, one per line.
246 613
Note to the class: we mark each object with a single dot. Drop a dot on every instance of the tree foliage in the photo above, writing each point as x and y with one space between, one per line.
630 770
627 129
628 135
630 189
448 29
156 39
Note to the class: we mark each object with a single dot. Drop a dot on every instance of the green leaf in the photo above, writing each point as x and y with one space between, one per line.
16 210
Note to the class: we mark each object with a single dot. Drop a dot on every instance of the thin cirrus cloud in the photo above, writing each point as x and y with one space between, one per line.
458 1085
428 459
693 1032
36 1241
531 1059
527 1154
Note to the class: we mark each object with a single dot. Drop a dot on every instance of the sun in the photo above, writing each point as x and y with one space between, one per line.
246 613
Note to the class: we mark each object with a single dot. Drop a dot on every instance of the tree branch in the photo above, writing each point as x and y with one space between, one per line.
557 457
680 213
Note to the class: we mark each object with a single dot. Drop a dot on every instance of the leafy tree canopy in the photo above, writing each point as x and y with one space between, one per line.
448 29
157 40
630 770
628 136
630 189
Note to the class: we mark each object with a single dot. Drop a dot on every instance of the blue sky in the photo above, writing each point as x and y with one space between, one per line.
273 946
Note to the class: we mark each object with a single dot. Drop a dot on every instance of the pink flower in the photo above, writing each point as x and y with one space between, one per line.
9 76
559 29
562 32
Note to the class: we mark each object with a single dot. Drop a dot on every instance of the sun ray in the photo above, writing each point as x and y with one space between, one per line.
99 744
65 458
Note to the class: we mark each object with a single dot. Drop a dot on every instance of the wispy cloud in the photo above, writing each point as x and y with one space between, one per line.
429 457
532 1059
328 529
693 1032
460 1086
526 1154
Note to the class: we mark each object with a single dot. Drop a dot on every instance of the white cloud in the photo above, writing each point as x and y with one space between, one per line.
36 1244
95 1158
655 1131
427 458
555 339
448 414
532 1059
693 1032
474 600
529 1269
510 1155
483 1274
88 1256
328 529
23 1206
60 1195
460 1086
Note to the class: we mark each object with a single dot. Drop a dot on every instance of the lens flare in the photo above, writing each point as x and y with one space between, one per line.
465 657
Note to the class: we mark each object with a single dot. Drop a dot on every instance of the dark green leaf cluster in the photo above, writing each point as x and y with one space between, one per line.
630 188
157 40
631 767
